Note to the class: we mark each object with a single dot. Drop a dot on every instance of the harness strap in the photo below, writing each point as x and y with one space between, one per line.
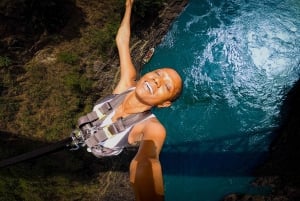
101 111
90 117
117 127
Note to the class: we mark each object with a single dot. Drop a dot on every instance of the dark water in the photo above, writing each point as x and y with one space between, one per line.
238 59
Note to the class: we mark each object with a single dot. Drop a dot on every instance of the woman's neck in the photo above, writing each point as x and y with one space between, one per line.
132 104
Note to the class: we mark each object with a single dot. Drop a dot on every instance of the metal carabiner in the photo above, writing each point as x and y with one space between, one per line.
77 140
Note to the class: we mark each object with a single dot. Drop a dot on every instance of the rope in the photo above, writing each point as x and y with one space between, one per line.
36 153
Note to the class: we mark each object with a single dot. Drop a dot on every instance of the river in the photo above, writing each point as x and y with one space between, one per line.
238 59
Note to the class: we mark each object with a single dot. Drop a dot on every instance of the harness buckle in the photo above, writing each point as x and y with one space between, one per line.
100 114
107 131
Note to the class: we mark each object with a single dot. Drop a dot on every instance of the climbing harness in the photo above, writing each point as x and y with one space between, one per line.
94 135
100 140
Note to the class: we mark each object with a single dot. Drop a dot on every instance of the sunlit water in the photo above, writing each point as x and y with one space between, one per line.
238 59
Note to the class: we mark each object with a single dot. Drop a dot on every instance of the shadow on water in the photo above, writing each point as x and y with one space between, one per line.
216 157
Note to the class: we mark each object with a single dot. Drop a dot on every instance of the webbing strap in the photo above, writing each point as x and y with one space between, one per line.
101 110
114 102
104 109
119 126
90 117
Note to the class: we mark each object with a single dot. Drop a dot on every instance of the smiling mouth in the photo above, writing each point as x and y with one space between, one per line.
149 87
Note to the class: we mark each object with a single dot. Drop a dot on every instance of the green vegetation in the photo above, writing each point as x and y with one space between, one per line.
78 84
68 58
4 61
48 179
104 39
8 109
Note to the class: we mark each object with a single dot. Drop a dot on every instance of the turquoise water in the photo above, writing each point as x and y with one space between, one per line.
238 59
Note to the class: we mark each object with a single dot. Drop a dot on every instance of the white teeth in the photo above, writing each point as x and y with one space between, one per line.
149 87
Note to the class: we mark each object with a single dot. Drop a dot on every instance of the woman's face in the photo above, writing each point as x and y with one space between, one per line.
159 87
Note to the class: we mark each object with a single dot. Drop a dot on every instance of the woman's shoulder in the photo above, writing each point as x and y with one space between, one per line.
153 127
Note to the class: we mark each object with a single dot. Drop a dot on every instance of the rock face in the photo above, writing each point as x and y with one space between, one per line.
24 25
281 171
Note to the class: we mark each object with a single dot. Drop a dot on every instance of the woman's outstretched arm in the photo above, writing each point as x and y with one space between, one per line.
128 70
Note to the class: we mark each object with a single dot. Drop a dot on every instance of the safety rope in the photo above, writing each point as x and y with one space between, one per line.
36 153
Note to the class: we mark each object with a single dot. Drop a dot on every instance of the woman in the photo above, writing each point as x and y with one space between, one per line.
158 88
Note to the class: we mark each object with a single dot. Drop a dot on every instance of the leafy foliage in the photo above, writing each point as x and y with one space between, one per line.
104 39
68 58
4 61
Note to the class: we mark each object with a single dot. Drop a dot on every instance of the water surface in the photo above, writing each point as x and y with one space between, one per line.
238 59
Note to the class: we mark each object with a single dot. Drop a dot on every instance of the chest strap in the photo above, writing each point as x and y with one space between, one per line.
103 133
101 110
